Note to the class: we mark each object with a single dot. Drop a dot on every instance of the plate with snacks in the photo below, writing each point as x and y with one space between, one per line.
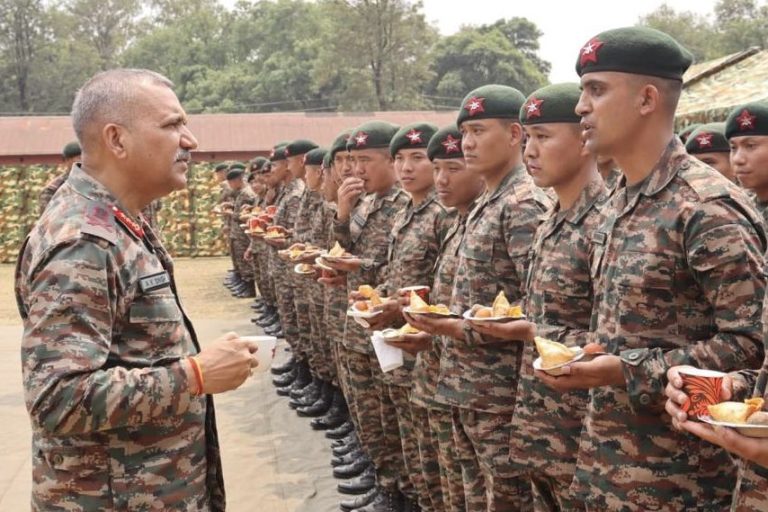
554 356
337 254
500 311
747 417
395 334
304 269
368 308
418 306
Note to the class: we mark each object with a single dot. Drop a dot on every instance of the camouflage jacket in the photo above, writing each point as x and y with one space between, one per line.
114 424
288 199
414 244
335 297
309 208
678 273
547 423
477 373
366 236
427 368
227 194
242 197
50 188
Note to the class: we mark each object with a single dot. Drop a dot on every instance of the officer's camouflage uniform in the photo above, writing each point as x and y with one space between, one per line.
240 240
415 241
115 426
478 377
366 235
547 423
282 271
439 443
678 267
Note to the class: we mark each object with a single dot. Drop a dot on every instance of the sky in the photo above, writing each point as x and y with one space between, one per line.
566 24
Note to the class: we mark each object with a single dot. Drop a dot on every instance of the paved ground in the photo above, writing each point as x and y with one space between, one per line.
273 461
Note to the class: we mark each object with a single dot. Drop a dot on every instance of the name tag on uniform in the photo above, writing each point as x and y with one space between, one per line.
154 282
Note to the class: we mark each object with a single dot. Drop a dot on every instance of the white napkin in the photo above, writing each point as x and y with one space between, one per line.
389 357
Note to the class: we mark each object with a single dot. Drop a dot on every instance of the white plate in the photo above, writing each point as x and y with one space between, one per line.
362 314
741 428
430 314
319 263
499 319
558 369
298 271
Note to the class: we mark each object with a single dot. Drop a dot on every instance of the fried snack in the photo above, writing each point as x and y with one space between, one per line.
295 253
306 268
552 353
408 329
375 299
361 305
366 291
500 305
336 251
417 304
441 309
484 312
515 311
735 412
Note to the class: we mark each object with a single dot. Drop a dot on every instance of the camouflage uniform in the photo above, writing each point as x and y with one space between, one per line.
238 237
547 423
320 331
282 271
115 426
256 262
414 246
309 204
678 271
366 235
262 253
439 443
150 214
50 188
478 377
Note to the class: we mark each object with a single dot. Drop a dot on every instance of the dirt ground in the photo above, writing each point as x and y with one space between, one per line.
273 461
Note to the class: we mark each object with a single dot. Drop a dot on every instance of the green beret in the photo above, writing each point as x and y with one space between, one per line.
327 160
235 172
371 135
552 104
299 147
71 150
445 144
635 50
708 138
258 162
223 166
277 154
237 165
315 156
687 131
749 119
491 102
340 143
413 136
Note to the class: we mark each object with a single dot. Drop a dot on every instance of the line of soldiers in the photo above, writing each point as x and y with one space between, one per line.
579 203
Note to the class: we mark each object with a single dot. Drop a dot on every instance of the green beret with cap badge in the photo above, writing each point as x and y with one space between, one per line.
554 103
746 120
491 102
371 135
412 136
299 147
708 138
71 150
445 144
315 156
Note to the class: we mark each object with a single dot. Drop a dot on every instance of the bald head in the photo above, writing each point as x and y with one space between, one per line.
109 97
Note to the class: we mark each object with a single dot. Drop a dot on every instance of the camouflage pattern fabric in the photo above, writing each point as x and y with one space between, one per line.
431 498
150 214
115 426
547 423
678 265
50 188
451 480
309 203
240 239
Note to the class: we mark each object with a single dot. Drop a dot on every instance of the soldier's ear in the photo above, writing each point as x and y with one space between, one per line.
114 138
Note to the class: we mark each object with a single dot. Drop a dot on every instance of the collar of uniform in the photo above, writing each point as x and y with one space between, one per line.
665 170
388 196
431 197
594 192
514 176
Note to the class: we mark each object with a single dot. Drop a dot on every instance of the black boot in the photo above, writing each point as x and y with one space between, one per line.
352 470
349 458
285 379
284 368
237 290
341 431
249 291
343 450
336 415
306 395
321 405
360 485
359 501
302 380
385 501
267 319
258 303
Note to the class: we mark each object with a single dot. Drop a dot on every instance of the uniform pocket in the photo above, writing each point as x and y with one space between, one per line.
646 293
154 308
72 475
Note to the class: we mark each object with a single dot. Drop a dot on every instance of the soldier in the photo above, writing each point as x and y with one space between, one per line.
606 166
747 131
478 375
259 188
363 230
686 132
71 155
708 144
113 375
677 268
243 199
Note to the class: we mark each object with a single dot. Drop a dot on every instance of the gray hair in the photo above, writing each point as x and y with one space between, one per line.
108 97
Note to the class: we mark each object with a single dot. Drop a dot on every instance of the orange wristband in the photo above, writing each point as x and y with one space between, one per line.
198 375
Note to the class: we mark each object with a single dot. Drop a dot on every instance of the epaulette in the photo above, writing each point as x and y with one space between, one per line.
99 221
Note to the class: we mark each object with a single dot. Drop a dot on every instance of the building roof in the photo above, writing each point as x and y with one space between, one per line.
717 86
221 136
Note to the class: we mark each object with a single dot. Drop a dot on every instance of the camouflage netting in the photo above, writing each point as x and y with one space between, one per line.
187 225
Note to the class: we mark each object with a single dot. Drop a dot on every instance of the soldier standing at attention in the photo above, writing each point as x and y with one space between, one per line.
678 272
708 144
114 378
71 155
239 239
479 374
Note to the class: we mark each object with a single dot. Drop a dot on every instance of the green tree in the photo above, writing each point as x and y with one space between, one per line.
692 30
21 35
741 24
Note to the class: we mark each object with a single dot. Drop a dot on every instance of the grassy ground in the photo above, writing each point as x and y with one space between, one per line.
193 275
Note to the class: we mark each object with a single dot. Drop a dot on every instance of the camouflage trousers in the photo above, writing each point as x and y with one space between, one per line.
301 301
343 376
334 314
412 481
285 305
243 268
485 437
378 430
553 494
428 460
264 277
451 481
321 358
